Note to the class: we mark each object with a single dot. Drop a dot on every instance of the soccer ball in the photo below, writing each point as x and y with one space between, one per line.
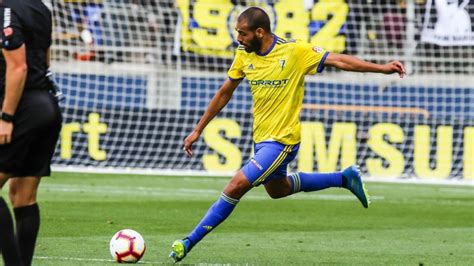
127 246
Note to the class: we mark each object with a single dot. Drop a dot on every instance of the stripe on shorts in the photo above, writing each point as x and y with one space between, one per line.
281 157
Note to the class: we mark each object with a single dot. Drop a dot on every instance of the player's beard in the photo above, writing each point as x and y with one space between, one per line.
254 45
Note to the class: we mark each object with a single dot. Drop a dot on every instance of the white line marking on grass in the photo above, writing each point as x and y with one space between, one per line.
334 197
201 173
466 190
86 188
89 259
184 192
69 258
207 179
417 181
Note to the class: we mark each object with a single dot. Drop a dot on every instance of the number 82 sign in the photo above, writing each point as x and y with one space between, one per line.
208 25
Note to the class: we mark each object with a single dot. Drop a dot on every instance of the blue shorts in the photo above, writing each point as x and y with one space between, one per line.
269 162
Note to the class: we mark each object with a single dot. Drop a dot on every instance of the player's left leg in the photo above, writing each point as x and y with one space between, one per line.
23 193
307 182
350 178
279 185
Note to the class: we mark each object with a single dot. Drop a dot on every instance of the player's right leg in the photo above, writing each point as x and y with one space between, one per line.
268 157
217 213
8 242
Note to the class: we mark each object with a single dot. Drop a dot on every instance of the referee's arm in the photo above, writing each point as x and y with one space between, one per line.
15 76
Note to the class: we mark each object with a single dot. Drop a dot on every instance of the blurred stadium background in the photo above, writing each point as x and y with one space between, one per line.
137 75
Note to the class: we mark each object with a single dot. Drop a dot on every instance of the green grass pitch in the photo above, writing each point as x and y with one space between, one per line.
406 224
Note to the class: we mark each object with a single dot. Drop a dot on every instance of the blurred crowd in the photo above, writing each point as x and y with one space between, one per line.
372 27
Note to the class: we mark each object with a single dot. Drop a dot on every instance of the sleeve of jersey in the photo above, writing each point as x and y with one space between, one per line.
12 35
313 58
236 69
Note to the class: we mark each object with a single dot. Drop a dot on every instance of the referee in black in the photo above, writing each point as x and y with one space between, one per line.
30 122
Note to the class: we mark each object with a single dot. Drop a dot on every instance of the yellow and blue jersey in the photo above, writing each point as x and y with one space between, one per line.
276 80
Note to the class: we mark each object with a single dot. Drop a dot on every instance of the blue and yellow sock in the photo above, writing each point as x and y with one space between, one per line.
218 212
314 181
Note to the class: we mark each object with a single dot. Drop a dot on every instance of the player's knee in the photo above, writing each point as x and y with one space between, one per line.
234 190
277 194
278 188
237 187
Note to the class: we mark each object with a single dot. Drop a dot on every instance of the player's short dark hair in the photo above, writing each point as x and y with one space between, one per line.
256 18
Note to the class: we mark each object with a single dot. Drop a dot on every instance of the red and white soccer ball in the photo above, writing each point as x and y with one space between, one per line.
127 246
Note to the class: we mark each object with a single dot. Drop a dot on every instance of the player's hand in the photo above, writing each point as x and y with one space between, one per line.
395 67
188 142
6 129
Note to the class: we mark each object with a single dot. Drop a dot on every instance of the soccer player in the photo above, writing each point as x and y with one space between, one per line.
275 69
30 121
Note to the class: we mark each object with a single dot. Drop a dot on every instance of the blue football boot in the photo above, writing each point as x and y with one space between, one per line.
355 184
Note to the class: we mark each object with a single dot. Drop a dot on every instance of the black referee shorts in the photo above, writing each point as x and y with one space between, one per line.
35 134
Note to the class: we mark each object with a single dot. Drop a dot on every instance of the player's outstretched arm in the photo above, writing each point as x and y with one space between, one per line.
351 63
222 97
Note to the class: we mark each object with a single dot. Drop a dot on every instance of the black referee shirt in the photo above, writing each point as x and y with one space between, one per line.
26 22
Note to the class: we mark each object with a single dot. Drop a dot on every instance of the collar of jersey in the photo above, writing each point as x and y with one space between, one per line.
275 38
